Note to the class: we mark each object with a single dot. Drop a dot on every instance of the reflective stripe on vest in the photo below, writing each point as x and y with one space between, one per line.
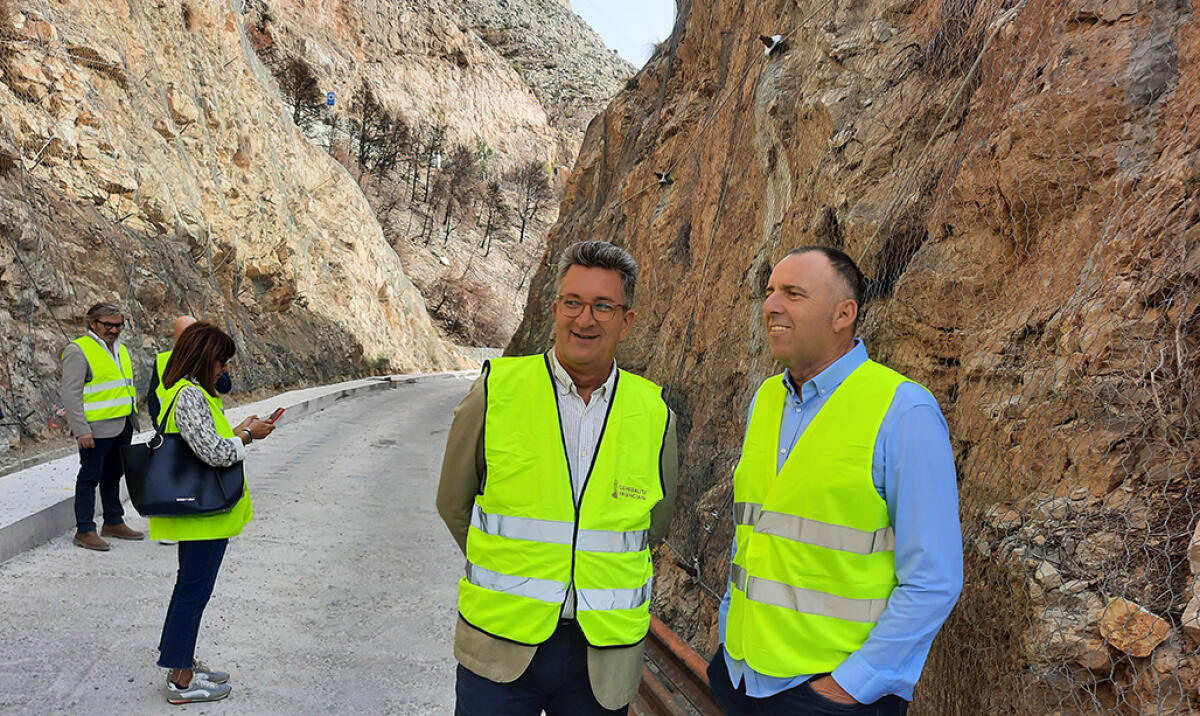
809 601
110 392
815 561
546 590
93 388
821 534
611 599
543 590
529 541
557 532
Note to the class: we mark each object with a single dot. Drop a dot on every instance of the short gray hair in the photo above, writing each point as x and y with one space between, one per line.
601 254
102 309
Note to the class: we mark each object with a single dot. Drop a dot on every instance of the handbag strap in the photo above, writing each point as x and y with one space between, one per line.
161 425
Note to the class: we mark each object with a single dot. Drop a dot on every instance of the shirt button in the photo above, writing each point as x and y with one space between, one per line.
782 451
797 410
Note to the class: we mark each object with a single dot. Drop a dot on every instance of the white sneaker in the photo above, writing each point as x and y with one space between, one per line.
199 690
217 677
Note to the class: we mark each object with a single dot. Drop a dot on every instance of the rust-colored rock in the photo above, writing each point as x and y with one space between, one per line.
1131 629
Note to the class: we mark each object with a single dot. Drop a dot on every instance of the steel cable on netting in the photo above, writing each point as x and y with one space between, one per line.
1145 562
739 136
904 185
712 113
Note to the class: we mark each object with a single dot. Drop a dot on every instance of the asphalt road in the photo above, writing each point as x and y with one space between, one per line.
338 598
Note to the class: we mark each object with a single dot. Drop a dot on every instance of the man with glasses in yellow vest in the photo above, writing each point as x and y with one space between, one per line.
847 554
559 475
101 404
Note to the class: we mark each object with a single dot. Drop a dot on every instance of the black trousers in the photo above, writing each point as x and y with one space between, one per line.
800 700
555 682
101 467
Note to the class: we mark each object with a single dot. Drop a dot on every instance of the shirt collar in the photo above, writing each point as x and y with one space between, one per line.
829 379
564 385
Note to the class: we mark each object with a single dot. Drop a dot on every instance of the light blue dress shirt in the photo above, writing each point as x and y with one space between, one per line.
913 471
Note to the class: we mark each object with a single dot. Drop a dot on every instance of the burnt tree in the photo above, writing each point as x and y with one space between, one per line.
532 184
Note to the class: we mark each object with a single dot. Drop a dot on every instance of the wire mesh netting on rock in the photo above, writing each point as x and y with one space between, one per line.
1032 240
1052 308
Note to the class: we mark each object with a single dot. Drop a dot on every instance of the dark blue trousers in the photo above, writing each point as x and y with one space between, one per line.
100 466
556 682
800 700
199 562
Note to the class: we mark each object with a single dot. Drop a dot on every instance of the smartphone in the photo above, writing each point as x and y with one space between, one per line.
275 415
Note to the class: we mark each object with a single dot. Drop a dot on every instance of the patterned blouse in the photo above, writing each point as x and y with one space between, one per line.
195 423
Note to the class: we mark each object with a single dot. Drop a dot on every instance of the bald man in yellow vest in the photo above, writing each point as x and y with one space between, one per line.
154 392
847 551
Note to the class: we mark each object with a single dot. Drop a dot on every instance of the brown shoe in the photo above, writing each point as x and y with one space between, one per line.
91 540
121 531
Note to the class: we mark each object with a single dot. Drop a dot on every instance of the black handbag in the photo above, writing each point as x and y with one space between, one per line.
166 479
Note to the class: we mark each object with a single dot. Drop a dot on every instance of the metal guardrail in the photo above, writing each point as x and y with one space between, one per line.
674 680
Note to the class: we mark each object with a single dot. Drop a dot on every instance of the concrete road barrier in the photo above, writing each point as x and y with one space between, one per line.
37 501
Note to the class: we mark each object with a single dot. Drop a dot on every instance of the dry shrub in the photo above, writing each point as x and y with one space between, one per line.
467 310
955 42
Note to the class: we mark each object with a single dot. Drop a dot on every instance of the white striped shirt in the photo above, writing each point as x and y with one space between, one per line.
582 424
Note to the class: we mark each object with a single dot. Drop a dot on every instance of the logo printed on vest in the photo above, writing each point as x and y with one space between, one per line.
629 492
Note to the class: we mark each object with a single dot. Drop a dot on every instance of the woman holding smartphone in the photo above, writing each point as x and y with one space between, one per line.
194 410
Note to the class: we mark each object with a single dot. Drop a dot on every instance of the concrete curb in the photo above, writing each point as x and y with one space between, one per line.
37 501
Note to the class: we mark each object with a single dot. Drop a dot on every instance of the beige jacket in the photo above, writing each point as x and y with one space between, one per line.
75 373
614 672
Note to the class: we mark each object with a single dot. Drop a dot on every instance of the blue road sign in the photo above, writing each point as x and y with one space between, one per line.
329 97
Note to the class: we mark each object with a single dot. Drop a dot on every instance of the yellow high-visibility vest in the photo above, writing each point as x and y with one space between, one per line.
815 560
201 527
528 542
160 365
110 392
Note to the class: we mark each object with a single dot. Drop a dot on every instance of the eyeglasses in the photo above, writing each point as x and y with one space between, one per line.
601 310
112 326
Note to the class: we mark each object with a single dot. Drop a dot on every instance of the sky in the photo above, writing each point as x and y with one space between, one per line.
631 27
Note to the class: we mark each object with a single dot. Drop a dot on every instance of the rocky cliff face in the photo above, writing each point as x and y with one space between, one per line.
1019 180
515 81
147 162
147 157
523 76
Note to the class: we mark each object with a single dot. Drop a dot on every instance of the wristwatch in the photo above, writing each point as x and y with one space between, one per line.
249 436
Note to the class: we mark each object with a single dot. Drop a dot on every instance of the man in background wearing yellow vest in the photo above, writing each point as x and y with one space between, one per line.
847 554
559 474
155 392
101 404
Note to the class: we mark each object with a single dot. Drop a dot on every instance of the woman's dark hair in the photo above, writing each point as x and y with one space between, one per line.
198 347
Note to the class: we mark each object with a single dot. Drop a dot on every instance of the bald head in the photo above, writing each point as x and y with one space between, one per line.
846 280
182 323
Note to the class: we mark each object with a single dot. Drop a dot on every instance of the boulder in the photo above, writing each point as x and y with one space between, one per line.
1132 629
